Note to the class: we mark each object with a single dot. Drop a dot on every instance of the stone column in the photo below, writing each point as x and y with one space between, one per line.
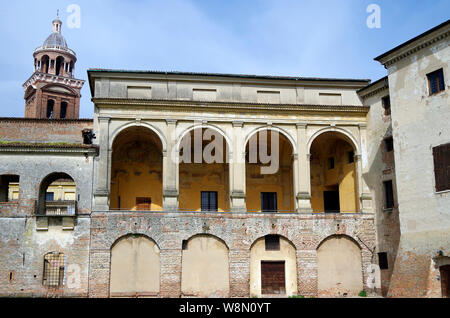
170 169
302 179
101 192
237 170
365 197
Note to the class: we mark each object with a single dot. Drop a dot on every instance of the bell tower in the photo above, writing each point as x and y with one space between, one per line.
52 92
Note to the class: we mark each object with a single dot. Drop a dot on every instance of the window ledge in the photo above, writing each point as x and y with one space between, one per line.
388 209
442 192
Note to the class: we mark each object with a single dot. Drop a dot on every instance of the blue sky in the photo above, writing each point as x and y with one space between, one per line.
327 38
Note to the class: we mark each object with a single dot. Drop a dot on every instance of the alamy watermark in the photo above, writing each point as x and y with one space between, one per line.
374 19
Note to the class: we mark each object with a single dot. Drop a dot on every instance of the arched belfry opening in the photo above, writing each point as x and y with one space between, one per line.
269 172
204 171
136 171
334 187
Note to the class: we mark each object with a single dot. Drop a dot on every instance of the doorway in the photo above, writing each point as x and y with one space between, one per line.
273 278
331 201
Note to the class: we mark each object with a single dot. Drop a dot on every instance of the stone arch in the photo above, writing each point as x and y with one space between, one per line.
44 185
334 173
136 183
347 135
202 126
205 267
280 130
134 267
339 266
203 180
269 180
272 258
154 129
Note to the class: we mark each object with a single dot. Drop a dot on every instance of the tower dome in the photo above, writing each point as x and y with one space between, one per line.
55 39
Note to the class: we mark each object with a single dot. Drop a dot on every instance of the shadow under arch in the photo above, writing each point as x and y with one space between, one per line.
202 126
150 127
345 134
280 130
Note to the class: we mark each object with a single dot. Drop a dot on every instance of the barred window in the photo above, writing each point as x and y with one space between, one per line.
54 265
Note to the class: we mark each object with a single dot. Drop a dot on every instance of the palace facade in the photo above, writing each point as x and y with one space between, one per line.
226 185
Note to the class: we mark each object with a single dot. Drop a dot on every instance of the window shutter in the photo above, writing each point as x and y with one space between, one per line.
213 201
441 156
441 80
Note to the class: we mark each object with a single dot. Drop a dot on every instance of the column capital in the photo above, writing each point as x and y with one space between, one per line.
301 125
104 119
238 123
171 121
362 126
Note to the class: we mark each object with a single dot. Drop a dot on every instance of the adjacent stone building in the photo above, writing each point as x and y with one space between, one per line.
223 185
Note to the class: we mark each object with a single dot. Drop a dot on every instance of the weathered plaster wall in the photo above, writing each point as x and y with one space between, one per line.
424 214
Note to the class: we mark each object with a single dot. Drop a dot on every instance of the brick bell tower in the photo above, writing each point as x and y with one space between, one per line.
52 92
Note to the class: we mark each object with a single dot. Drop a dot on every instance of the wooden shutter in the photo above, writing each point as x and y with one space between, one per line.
441 156
440 77
209 201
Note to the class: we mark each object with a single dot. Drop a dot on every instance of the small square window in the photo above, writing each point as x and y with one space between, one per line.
209 201
389 143
436 81
143 204
272 242
330 163
383 260
49 196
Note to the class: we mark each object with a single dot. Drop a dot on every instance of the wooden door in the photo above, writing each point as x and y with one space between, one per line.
273 279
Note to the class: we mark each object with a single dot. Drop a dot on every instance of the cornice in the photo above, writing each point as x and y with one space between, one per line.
415 45
53 79
227 106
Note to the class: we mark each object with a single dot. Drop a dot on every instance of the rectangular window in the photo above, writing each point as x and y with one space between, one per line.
269 202
209 201
436 82
441 157
389 144
273 281
272 242
54 264
143 204
331 163
388 194
386 101
351 157
383 260
49 196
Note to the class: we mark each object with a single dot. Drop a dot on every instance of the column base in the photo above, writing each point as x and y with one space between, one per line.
101 200
238 204
366 203
303 203
170 200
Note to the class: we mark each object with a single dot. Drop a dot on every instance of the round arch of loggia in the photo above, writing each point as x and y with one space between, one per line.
153 129
274 128
348 137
